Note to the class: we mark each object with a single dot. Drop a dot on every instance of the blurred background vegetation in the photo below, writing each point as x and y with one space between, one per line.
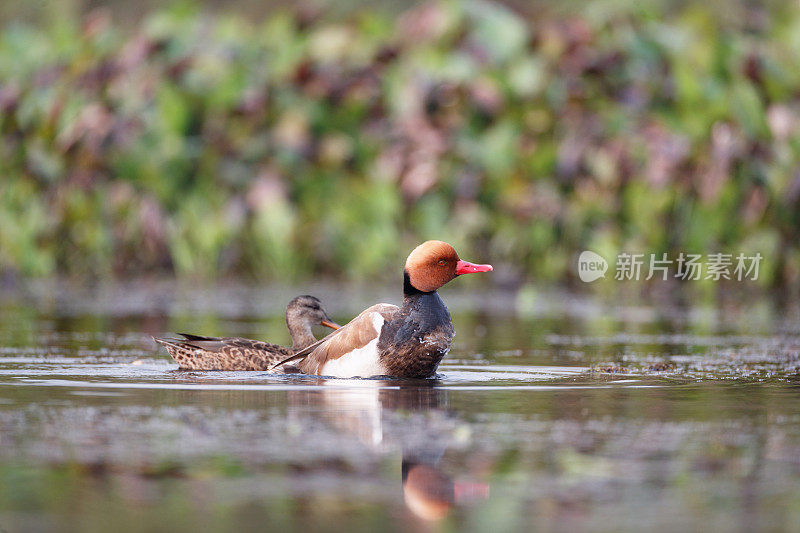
255 139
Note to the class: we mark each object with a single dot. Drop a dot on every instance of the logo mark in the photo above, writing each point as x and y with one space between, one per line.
591 266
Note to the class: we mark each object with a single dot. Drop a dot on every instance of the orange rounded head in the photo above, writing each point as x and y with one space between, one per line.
433 263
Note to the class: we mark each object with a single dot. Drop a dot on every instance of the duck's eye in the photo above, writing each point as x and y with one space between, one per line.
442 262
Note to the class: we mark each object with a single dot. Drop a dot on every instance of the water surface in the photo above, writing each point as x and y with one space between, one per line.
553 411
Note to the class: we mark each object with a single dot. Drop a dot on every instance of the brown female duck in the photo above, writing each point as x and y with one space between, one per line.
196 352
386 340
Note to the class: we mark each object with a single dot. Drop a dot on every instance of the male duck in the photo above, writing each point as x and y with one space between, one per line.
386 340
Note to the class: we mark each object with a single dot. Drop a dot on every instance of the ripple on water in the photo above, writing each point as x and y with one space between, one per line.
151 373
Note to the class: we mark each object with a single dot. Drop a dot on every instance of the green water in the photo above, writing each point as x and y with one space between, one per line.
553 411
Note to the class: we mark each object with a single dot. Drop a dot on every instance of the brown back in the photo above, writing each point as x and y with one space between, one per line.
354 335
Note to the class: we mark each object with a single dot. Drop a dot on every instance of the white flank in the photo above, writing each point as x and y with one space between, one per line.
362 362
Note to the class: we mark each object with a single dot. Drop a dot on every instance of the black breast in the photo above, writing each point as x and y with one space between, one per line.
414 342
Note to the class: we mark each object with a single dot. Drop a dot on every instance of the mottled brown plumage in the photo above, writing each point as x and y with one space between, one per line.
197 352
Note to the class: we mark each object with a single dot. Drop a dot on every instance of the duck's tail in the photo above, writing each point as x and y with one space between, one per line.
179 349
168 342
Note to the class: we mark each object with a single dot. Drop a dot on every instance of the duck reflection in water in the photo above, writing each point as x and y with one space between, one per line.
386 415
429 492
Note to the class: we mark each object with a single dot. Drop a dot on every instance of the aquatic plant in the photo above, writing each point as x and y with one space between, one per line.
214 145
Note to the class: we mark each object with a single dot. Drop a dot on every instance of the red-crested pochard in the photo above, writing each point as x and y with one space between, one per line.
196 352
386 340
